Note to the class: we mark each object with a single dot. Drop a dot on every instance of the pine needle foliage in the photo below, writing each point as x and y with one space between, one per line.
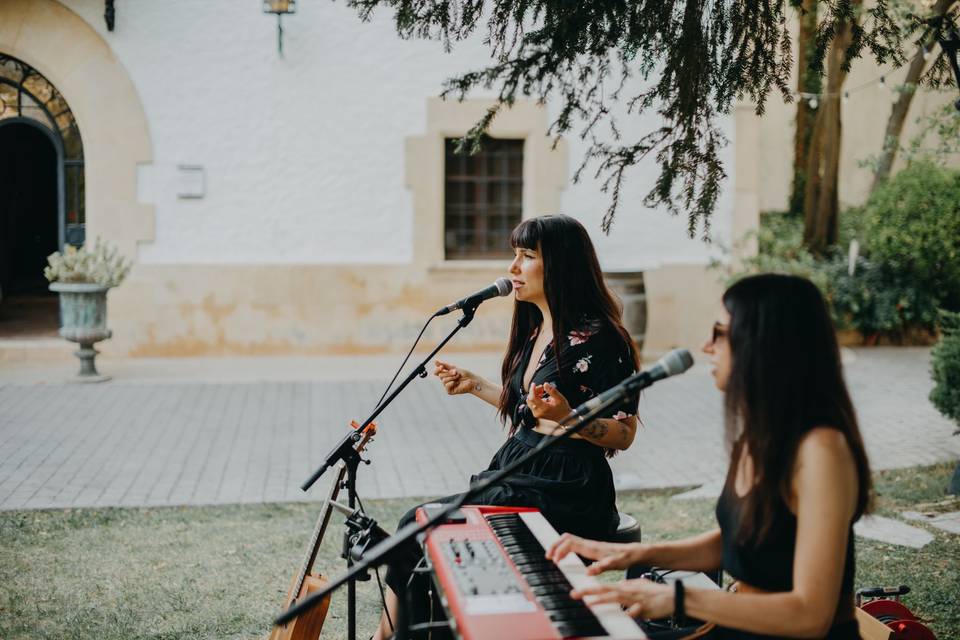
694 59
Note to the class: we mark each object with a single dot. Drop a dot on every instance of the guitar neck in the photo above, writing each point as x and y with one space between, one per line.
319 529
324 519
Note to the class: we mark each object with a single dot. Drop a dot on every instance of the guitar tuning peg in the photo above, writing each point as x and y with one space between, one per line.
364 461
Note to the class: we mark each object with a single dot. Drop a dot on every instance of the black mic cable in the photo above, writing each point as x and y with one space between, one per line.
500 287
404 363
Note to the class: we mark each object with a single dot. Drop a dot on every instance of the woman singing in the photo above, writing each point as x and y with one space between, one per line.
566 345
798 480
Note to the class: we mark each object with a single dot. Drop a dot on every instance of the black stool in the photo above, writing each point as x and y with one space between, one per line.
628 530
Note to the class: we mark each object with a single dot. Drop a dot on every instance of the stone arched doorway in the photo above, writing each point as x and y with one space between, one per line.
41 194
65 49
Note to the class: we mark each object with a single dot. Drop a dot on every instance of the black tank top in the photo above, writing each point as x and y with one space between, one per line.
769 564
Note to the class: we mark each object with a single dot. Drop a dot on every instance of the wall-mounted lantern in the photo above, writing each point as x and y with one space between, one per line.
279 7
109 14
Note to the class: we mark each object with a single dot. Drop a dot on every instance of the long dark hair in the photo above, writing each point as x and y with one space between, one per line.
574 288
785 379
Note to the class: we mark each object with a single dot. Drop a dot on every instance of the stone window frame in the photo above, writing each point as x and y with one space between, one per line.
545 171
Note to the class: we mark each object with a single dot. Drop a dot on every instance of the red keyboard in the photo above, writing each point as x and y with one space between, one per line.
494 582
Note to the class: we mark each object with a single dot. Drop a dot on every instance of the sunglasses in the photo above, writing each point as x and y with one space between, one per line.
719 331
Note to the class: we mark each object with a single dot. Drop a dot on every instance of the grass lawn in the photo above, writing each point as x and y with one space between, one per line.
222 572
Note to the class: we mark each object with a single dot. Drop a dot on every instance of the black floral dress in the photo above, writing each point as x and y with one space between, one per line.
572 483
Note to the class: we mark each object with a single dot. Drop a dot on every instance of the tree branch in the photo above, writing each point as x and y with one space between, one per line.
694 58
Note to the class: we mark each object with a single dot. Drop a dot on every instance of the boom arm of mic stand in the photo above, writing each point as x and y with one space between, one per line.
343 449
380 553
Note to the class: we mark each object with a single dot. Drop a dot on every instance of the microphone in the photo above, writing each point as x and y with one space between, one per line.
675 362
501 287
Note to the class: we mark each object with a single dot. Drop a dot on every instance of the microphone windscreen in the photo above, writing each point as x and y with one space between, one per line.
504 286
677 361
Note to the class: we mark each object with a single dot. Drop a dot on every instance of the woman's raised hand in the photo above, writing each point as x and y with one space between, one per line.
546 401
455 380
608 555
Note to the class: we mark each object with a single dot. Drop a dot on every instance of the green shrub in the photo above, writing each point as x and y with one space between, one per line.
781 233
945 395
874 300
909 262
911 226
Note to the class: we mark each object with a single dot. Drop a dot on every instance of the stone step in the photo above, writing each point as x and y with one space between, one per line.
949 522
892 532
35 350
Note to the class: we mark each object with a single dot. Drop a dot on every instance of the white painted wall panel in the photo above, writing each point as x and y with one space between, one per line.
304 155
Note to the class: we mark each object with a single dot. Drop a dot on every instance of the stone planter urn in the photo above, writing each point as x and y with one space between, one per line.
83 319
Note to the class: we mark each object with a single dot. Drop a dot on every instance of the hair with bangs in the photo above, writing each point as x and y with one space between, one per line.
786 378
574 288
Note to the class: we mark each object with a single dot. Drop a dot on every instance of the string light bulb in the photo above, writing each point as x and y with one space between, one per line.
813 102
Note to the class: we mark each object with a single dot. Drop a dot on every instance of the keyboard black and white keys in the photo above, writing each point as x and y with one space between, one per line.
495 582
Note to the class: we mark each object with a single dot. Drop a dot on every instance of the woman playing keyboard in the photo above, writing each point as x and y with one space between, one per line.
798 479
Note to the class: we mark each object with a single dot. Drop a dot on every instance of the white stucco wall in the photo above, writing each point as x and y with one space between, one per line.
643 238
304 155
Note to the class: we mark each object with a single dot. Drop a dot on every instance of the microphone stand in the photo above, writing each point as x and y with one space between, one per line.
345 450
380 554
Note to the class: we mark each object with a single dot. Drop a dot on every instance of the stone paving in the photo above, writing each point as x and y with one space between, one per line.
949 522
237 431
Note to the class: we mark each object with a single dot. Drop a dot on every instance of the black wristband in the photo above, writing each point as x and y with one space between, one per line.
678 609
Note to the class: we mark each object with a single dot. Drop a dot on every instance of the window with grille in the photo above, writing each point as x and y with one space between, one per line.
483 199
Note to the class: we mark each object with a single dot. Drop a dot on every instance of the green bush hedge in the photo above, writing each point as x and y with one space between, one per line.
945 395
911 225
879 299
909 262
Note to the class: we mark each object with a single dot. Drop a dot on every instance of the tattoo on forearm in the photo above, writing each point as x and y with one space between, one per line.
625 432
477 387
595 429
